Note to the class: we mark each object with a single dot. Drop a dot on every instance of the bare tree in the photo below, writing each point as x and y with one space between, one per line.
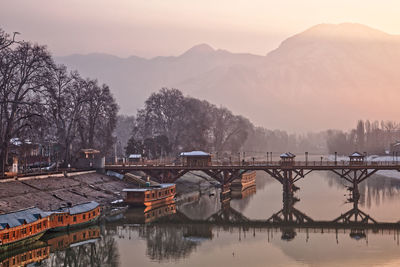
23 72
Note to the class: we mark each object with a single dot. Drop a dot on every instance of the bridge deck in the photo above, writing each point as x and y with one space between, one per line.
315 165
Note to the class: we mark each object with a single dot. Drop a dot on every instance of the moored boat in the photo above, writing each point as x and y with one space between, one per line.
22 227
74 216
150 195
247 180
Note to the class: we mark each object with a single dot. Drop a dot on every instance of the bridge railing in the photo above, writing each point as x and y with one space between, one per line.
324 163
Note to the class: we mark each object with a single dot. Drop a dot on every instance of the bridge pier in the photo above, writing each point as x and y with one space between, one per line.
354 176
287 177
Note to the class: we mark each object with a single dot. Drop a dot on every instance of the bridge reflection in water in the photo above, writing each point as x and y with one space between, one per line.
177 234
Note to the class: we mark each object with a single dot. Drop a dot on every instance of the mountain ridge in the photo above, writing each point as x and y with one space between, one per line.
314 69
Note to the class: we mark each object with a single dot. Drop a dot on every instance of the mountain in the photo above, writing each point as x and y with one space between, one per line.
325 77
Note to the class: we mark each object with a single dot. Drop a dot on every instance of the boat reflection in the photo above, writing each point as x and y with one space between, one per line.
80 247
34 252
242 194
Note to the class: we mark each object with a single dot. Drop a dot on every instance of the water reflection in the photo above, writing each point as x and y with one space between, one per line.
321 224
80 247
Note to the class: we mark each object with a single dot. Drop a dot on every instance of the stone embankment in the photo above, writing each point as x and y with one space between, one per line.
49 193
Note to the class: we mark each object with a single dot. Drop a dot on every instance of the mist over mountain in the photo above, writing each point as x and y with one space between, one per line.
325 77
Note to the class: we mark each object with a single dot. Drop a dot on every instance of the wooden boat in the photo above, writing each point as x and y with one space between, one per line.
151 195
74 216
247 180
22 227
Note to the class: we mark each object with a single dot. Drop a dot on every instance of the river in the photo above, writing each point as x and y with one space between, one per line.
206 232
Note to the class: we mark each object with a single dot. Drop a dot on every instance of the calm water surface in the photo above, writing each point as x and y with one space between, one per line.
174 235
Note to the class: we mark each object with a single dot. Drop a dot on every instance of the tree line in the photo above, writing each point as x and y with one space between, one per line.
171 123
371 137
43 102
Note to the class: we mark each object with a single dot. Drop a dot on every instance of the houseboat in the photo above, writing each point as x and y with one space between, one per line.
22 227
73 216
151 195
247 180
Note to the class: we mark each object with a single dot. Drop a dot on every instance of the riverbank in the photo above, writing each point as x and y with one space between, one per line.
49 193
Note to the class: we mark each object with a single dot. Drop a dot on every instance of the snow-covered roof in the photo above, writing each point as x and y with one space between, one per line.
144 189
79 208
356 154
287 155
195 154
135 156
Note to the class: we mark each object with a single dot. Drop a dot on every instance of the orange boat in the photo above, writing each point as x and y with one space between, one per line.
151 195
77 215
247 180
22 227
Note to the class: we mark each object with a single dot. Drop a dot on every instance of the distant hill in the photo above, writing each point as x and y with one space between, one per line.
325 77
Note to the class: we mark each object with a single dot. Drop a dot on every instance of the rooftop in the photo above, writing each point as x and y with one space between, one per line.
195 154
356 154
144 189
287 155
17 218
90 151
79 208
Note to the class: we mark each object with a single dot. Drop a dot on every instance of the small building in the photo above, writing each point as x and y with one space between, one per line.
356 158
196 158
135 157
89 158
287 158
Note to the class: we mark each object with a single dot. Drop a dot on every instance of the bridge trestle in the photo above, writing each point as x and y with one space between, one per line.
354 177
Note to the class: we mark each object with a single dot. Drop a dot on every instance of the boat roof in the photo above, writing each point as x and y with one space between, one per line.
135 156
20 217
194 154
144 189
79 208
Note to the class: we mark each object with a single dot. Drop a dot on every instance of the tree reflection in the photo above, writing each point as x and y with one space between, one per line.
376 188
173 242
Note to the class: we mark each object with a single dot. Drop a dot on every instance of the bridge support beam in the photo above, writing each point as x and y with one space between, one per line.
354 177
287 177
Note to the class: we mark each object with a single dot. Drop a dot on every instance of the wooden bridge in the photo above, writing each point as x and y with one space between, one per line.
286 172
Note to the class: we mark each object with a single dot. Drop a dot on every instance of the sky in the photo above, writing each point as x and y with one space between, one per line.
151 28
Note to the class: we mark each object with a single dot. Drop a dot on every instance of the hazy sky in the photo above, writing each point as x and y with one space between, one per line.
169 27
